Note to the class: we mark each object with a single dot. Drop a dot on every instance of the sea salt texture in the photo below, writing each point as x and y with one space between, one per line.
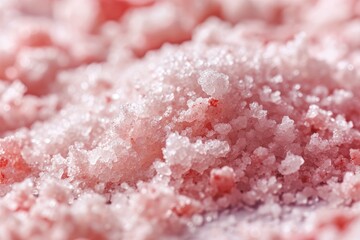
179 119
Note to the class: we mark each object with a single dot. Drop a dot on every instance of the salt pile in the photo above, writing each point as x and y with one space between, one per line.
179 119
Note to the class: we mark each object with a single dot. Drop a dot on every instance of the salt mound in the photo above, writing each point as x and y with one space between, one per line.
179 119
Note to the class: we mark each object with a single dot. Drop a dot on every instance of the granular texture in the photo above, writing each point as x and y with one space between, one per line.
180 119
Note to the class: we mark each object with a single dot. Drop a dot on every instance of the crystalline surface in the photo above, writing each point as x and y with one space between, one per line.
290 164
179 119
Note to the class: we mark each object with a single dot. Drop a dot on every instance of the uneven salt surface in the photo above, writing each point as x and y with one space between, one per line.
179 119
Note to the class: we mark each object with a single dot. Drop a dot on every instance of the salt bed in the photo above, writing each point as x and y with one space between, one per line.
181 119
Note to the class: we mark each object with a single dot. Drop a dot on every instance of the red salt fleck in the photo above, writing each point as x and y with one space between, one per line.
340 163
184 210
223 180
12 165
213 102
21 166
304 179
208 125
340 221
113 10
3 162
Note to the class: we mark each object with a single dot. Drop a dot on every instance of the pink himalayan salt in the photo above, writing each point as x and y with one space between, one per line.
222 179
250 127
290 164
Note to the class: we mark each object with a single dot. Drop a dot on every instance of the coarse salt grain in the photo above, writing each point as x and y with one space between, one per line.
290 164
213 83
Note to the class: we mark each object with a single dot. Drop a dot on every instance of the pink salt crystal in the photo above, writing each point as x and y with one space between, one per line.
290 164
182 155
222 128
186 207
213 83
288 198
196 110
21 198
285 131
13 167
176 152
351 187
355 156
222 179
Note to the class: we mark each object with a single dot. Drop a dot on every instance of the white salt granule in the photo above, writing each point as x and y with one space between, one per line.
183 155
285 131
290 164
213 83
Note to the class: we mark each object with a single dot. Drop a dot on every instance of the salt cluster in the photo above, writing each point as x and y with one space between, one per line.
179 119
290 164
